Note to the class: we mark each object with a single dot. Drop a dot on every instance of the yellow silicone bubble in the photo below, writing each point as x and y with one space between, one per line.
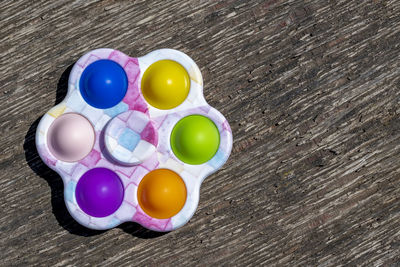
165 84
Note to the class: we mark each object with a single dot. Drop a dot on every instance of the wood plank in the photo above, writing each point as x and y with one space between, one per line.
310 88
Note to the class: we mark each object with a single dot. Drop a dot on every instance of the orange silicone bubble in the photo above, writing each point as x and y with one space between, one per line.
161 193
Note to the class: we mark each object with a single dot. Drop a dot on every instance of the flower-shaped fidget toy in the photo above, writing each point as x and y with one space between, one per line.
133 139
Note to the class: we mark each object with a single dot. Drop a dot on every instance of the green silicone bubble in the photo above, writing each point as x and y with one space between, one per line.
195 139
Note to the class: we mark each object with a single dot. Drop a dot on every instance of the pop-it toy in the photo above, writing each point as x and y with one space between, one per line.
133 139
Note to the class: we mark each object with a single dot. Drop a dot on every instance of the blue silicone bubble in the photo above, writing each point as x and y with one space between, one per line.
103 84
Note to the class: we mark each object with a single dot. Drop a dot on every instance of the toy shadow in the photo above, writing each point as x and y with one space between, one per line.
56 184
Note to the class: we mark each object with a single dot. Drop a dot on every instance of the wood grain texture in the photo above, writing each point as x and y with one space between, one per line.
310 88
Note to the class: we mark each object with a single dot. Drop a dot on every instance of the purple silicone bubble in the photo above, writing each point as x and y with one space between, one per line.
99 192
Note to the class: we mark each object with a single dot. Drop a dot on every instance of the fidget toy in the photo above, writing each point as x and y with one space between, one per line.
133 139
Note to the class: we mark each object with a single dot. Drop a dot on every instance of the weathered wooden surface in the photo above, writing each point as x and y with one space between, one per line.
311 89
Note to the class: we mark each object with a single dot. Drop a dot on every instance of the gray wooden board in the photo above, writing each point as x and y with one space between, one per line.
310 88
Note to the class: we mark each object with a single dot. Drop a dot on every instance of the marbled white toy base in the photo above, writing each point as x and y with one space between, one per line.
132 138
